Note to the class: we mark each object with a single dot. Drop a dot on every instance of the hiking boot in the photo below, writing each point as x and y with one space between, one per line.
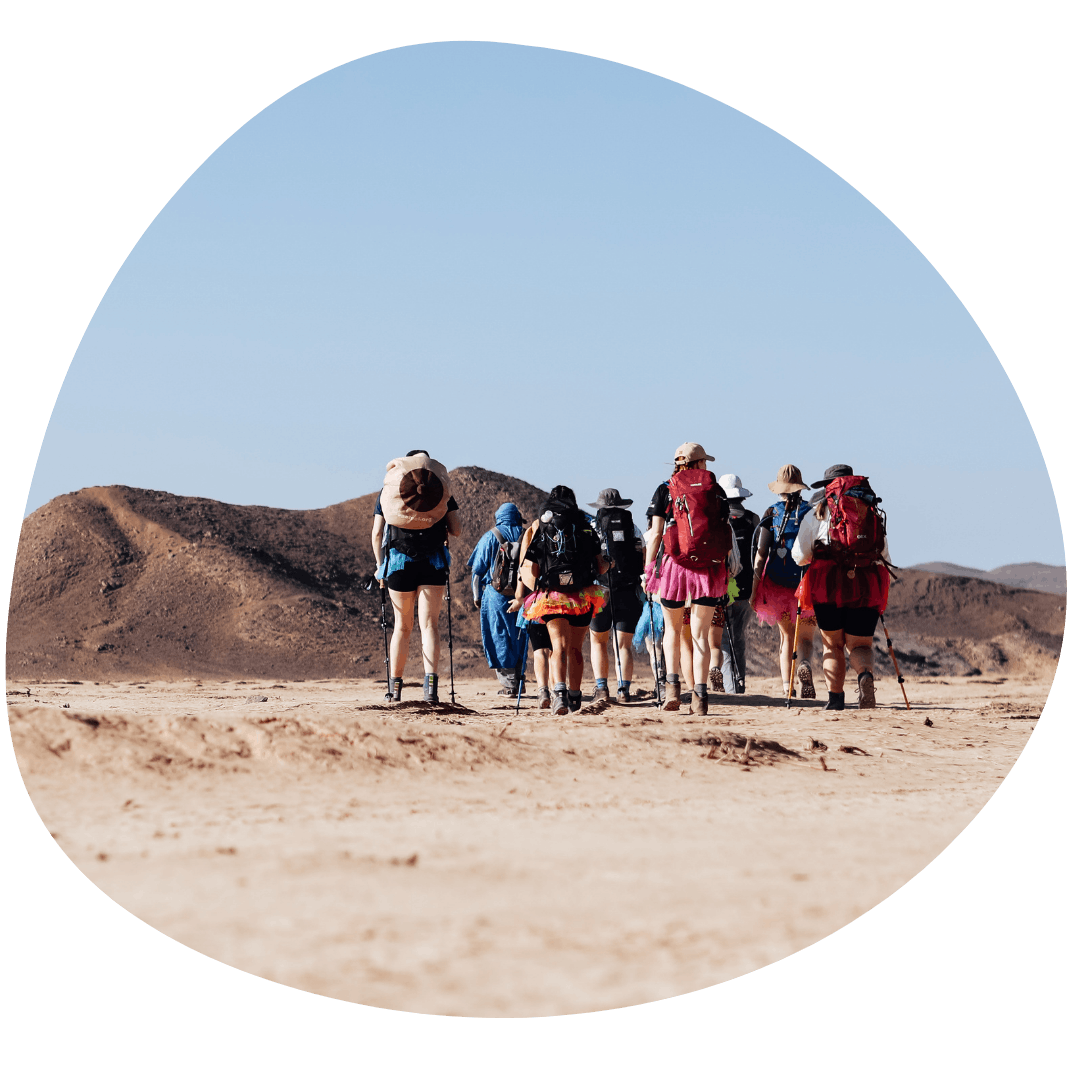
806 681
716 679
431 689
622 695
836 700
601 693
574 700
543 698
560 703
699 704
672 697
866 691
394 693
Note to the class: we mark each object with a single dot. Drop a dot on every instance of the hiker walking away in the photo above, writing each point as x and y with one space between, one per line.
727 670
563 562
414 515
540 643
494 565
777 574
689 560
843 545
622 543
649 637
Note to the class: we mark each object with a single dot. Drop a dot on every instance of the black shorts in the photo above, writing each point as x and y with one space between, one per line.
539 638
414 574
857 621
709 601
573 620
627 605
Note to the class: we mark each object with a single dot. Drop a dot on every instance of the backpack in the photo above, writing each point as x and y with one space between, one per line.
856 525
699 535
616 528
784 526
744 525
565 549
504 567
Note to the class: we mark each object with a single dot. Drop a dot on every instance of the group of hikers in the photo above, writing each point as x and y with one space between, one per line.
683 590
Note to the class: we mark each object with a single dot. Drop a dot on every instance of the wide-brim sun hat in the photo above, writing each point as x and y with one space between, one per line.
833 472
788 479
733 488
610 497
690 452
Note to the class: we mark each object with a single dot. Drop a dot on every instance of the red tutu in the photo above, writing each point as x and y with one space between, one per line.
679 583
774 604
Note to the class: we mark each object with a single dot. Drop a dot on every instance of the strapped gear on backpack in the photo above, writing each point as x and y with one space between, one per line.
619 542
784 524
564 548
699 535
504 567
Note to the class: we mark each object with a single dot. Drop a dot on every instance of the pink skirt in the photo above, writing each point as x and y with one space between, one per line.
775 604
679 583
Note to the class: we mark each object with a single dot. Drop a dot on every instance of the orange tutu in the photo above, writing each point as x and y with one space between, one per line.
547 602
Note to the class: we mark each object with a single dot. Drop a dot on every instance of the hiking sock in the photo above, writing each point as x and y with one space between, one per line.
601 684
701 689
559 688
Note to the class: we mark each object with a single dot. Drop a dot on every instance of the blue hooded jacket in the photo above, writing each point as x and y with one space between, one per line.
503 642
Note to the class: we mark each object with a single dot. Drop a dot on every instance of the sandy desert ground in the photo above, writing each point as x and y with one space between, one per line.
477 862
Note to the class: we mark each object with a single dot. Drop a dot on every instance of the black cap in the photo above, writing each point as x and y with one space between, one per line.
832 473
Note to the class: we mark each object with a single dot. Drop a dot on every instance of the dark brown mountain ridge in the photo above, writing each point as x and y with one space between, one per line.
119 582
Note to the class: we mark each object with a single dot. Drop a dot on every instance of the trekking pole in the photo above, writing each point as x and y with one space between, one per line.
656 651
450 637
740 686
521 672
794 654
615 640
888 642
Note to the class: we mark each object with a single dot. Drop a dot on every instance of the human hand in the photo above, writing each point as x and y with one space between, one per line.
514 606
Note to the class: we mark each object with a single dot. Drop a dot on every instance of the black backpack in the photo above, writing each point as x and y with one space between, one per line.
417 543
616 528
565 549
744 526
504 567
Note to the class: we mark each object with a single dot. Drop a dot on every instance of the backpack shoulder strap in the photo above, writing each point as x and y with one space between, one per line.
498 535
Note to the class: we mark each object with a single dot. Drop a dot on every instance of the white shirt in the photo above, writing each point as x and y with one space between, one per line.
811 530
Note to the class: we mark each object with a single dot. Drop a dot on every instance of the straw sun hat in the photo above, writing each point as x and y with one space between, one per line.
788 479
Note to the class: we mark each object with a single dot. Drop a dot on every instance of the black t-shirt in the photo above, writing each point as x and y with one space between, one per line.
417 542
659 504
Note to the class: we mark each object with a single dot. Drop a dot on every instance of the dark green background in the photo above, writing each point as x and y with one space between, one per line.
957 120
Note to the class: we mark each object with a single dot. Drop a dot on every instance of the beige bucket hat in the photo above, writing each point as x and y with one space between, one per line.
788 479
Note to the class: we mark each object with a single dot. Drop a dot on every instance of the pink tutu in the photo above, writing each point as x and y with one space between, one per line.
678 583
774 604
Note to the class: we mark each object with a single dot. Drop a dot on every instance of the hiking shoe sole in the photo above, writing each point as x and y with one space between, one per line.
672 703
867 700
716 679
806 682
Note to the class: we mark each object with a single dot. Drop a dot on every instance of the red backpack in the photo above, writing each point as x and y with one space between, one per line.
700 536
856 525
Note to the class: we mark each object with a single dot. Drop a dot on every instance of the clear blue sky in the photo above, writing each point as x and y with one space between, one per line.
554 267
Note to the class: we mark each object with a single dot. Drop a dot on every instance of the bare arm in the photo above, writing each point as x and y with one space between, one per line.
377 525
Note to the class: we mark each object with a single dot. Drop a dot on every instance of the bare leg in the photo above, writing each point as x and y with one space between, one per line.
805 645
716 640
672 638
861 651
575 661
835 664
559 631
598 653
686 655
427 609
541 661
700 625
404 608
626 654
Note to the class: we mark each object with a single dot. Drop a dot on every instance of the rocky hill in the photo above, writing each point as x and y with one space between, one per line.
118 582
1031 575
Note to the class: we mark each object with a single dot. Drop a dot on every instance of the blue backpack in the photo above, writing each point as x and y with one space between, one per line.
784 526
